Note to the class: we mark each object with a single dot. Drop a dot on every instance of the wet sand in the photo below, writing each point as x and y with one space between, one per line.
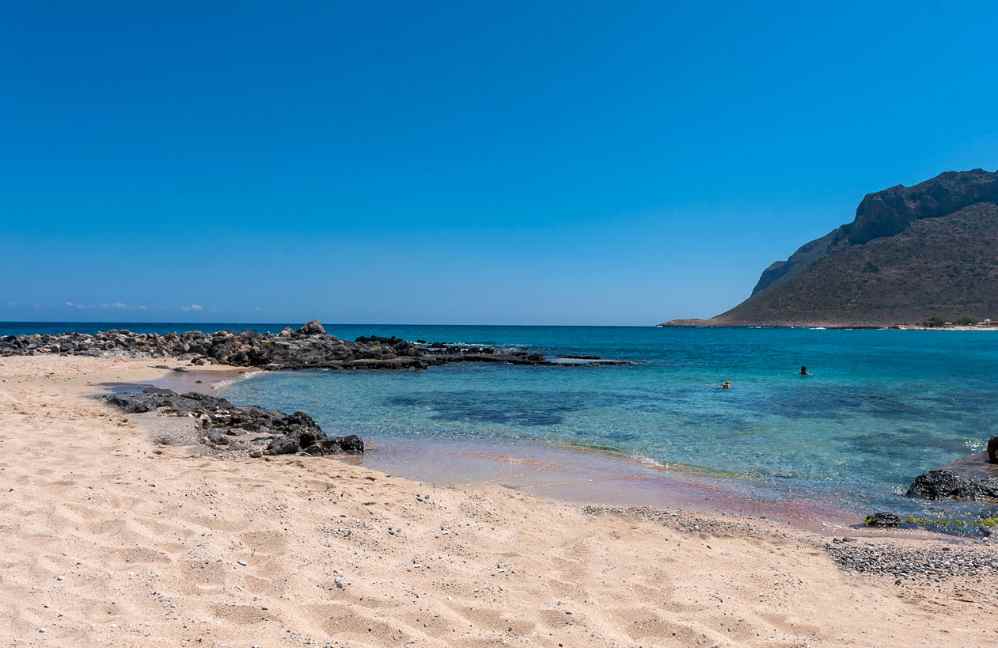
566 473
593 476
115 538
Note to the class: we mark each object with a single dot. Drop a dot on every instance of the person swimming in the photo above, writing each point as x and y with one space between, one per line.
803 372
726 384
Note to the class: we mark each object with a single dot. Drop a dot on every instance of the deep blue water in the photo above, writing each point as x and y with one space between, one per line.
880 408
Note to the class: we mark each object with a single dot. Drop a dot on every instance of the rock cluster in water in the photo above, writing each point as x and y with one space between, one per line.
968 480
309 347
946 484
252 430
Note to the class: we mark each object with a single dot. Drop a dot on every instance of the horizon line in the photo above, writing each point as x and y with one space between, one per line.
290 323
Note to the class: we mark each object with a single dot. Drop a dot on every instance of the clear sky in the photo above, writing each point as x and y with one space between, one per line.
551 162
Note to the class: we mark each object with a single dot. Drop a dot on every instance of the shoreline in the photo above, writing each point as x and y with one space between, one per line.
585 474
204 381
831 326
581 476
565 472
114 540
581 473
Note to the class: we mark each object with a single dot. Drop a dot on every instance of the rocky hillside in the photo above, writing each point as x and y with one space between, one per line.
910 255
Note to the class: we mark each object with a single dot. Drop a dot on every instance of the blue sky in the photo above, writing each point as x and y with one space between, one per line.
556 162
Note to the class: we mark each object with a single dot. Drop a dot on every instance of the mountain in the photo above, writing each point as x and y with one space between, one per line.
910 254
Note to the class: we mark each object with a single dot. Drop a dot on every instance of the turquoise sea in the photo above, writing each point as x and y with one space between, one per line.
880 407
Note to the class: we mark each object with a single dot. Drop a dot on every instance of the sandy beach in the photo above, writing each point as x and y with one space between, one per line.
115 534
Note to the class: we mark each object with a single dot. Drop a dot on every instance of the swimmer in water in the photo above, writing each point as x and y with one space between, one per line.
803 372
726 384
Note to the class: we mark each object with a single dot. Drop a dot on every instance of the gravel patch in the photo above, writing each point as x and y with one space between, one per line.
936 562
680 521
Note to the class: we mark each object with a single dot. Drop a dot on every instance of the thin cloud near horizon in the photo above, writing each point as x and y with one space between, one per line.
117 306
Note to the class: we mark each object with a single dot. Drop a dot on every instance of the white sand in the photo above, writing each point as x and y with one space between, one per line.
107 542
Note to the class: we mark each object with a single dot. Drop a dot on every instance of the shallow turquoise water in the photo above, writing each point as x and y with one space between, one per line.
880 408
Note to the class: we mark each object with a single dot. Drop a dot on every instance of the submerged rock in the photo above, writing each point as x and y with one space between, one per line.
883 519
945 484
227 425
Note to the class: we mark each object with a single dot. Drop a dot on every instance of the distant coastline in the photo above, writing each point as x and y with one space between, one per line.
713 323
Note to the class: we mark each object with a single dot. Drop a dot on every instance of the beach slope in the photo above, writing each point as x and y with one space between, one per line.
117 534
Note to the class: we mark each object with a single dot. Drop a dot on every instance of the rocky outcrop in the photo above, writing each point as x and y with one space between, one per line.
309 347
946 484
993 450
891 211
911 254
249 430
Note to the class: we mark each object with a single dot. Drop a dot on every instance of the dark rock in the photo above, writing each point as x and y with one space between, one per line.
283 445
131 405
350 444
307 348
314 327
945 484
883 519
224 423
315 449
993 450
